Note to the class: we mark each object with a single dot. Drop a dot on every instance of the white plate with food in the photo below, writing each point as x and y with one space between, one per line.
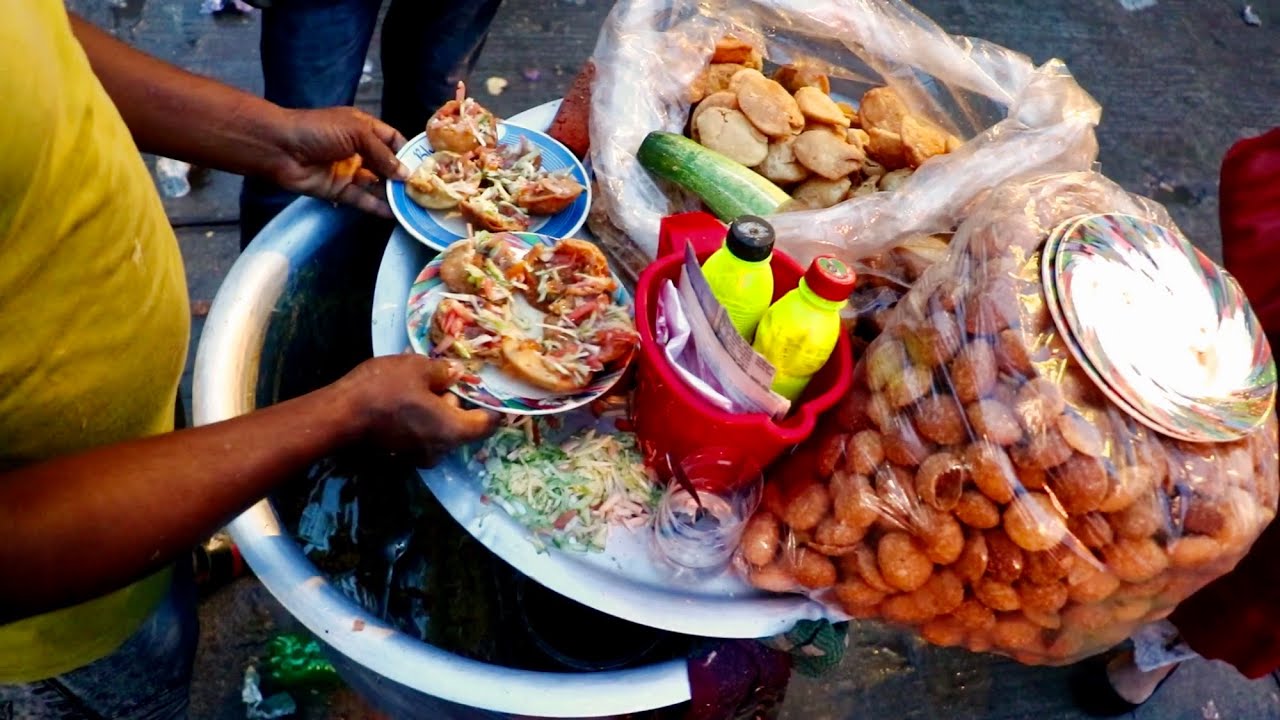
541 323
472 171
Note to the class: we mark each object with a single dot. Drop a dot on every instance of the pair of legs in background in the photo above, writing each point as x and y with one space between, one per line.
313 54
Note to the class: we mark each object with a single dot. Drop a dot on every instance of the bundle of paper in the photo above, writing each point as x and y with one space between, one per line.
700 342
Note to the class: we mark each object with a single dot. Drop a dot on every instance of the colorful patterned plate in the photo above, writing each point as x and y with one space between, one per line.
1161 329
1048 269
438 229
496 390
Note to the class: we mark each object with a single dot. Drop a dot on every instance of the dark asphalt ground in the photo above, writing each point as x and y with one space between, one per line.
1179 82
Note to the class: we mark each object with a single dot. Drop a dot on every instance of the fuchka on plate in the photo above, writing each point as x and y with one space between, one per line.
472 171
540 324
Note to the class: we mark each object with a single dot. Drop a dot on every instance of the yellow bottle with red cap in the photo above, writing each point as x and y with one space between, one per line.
798 333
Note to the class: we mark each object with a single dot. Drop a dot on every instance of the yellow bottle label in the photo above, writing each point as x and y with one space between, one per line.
743 288
745 317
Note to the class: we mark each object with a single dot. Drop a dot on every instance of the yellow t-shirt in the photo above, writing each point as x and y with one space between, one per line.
93 304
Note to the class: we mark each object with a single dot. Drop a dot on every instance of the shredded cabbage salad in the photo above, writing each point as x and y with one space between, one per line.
567 493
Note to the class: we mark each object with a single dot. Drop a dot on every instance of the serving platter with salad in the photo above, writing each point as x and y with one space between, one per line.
567 501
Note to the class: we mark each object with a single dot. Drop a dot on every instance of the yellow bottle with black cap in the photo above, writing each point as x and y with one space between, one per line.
740 275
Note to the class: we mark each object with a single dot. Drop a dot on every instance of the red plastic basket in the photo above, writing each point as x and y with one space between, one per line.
671 419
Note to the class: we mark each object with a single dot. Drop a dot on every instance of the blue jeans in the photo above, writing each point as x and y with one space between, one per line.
148 678
313 52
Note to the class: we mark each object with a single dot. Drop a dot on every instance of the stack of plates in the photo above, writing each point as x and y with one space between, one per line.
1164 332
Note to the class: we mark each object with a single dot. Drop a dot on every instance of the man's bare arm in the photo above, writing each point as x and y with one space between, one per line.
178 114
76 527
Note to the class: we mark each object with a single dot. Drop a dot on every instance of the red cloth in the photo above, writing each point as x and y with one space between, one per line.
737 680
1249 212
1236 618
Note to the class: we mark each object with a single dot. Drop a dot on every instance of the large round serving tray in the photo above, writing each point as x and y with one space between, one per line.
627 579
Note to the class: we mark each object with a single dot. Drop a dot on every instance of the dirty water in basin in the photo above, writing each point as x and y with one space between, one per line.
371 526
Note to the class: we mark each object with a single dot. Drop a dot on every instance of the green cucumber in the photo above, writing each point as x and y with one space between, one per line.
727 187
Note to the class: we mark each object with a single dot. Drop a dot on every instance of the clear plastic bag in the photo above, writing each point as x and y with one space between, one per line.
976 485
1015 118
886 277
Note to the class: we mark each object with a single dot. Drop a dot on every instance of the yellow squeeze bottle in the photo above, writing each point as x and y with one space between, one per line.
740 275
798 333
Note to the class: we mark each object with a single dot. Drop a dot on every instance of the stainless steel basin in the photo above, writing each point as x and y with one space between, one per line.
293 314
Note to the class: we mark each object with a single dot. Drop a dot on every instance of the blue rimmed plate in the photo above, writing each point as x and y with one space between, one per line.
495 389
438 229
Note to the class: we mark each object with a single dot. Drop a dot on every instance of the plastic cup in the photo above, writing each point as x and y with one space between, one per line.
704 538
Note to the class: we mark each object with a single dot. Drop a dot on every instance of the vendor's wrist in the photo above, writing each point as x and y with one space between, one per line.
276 127
356 415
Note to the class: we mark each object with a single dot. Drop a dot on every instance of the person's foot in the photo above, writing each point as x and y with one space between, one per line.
1113 685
